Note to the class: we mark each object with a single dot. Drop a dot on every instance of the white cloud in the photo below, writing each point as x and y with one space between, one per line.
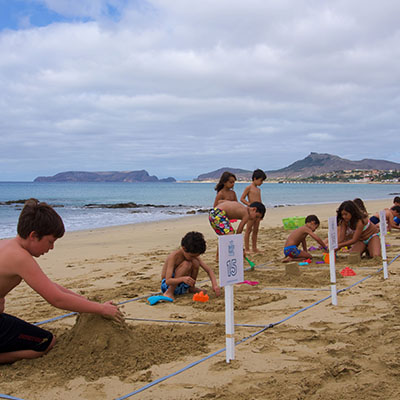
169 83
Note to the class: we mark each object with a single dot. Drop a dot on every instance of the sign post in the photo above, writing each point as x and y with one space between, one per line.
333 245
230 272
382 226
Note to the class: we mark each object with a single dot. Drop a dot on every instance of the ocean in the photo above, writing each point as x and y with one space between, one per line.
86 205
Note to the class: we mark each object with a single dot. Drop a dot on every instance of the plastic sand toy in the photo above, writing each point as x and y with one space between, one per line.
203 298
155 299
347 272
252 265
251 283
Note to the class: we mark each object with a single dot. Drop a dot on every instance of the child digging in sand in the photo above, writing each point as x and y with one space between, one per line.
181 267
291 251
39 226
251 194
220 216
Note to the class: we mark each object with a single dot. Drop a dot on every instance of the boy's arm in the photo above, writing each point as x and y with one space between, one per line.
29 270
242 224
304 244
2 303
210 273
317 238
244 195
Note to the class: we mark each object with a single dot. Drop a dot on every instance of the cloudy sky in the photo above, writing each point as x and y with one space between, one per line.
180 88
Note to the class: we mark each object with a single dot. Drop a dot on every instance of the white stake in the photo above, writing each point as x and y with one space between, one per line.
333 245
229 324
383 229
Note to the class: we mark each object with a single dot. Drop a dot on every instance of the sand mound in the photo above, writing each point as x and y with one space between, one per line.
96 347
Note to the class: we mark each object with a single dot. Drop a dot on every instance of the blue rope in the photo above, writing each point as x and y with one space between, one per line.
177 321
5 396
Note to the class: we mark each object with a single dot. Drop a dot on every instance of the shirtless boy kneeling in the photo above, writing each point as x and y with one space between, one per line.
180 270
291 251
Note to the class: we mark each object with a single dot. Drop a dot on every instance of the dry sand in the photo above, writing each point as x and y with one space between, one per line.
350 351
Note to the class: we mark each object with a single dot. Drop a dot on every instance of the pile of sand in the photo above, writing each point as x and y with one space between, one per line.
96 347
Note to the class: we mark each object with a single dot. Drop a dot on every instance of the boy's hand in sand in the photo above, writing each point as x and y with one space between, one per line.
112 311
188 280
217 290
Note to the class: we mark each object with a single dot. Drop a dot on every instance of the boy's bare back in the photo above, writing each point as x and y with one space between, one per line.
10 254
233 209
297 236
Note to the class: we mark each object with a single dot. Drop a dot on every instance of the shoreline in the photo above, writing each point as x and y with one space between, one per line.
273 216
273 219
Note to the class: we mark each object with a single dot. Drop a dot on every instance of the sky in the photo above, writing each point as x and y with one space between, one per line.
180 88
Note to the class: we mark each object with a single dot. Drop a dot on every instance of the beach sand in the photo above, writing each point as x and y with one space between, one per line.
348 351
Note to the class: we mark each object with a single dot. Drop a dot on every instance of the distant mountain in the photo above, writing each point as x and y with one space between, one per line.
313 164
241 174
104 176
317 164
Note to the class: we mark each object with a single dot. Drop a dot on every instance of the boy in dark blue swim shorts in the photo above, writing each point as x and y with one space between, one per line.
291 250
181 267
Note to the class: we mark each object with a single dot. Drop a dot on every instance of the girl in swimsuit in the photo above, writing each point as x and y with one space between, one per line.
366 234
224 188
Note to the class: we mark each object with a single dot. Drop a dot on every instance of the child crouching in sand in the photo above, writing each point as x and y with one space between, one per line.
181 267
39 226
291 251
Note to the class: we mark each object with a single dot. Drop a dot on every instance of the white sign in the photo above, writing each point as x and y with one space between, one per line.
332 234
382 222
230 259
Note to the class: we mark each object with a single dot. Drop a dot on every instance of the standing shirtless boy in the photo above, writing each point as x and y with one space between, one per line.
39 226
181 267
251 194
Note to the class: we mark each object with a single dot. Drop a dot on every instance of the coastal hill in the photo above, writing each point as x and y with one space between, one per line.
104 176
313 164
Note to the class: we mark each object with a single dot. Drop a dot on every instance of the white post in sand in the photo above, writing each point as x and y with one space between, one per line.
333 245
230 249
382 225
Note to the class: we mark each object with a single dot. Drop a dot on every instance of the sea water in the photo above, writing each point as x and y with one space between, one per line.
158 201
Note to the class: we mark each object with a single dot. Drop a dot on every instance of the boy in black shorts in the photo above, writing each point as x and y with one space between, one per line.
39 226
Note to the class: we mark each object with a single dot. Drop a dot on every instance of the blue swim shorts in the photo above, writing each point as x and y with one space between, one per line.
182 288
291 251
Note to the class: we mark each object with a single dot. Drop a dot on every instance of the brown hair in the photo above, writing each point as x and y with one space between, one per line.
40 218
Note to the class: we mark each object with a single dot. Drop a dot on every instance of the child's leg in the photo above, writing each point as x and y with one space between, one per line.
358 247
304 255
183 269
249 229
255 236
374 247
12 356
193 273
